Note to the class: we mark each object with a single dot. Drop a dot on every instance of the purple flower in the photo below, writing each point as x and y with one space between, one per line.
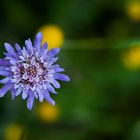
31 71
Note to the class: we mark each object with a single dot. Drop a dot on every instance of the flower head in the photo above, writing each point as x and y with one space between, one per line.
31 71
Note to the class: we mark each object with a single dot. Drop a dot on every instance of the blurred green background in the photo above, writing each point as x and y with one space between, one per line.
100 41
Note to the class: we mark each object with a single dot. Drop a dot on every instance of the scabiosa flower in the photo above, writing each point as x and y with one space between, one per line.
31 71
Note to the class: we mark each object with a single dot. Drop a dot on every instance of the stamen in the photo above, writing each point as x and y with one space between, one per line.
31 73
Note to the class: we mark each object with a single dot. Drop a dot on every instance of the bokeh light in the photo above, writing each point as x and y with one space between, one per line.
13 132
131 58
53 35
133 10
48 113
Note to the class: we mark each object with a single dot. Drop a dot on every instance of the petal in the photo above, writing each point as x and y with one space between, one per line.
55 83
5 80
38 41
18 92
30 100
41 97
40 94
58 69
29 47
48 98
51 89
53 60
45 46
35 95
24 53
55 66
61 77
24 94
13 93
9 48
5 88
18 48
43 49
11 55
4 62
5 73
3 68
13 61
53 52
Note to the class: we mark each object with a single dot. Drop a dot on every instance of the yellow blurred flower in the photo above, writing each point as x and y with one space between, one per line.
53 35
13 132
133 10
131 58
48 113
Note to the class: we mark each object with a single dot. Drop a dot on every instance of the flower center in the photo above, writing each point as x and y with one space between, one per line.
29 72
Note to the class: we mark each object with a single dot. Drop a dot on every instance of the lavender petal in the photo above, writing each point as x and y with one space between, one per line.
18 48
61 77
11 55
55 66
55 83
41 97
58 69
5 73
38 41
9 48
4 62
24 94
43 49
29 47
51 89
30 100
5 88
13 93
53 52
40 94
3 68
18 92
48 98
5 80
